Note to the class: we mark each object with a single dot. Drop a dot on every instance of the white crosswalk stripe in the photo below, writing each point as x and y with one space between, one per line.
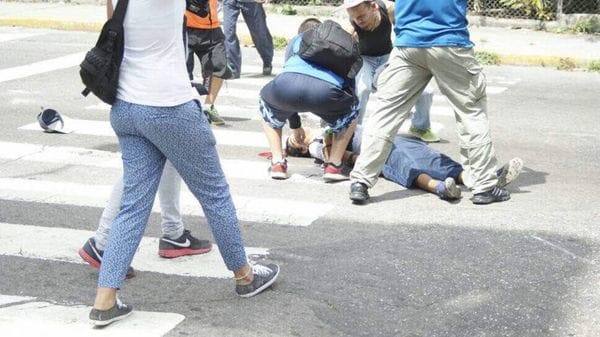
40 243
103 128
260 209
66 155
38 318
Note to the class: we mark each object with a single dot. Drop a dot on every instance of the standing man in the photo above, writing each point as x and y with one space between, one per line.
432 40
372 22
207 41
256 19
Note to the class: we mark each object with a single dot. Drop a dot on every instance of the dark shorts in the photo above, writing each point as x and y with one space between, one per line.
209 46
289 93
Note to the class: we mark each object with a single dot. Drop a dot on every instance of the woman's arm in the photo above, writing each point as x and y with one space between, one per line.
109 9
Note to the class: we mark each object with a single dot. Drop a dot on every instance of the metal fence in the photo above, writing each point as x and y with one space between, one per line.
514 9
532 9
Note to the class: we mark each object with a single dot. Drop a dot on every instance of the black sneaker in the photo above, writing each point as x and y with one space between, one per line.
264 276
92 255
105 317
497 194
186 244
267 69
359 192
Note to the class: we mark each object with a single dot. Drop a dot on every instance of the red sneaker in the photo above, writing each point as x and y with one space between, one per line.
333 172
278 170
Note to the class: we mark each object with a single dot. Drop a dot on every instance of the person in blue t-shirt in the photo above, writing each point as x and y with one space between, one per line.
304 86
432 41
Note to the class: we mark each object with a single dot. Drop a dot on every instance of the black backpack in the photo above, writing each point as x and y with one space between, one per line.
331 47
99 70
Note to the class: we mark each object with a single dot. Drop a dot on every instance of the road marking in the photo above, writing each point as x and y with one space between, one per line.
66 155
8 299
493 90
103 128
259 209
5 37
47 319
555 246
36 242
62 62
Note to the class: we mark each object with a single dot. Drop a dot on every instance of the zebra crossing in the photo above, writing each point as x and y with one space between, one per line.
238 99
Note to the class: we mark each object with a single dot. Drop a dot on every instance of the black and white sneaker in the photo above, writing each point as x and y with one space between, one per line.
264 276
186 244
497 194
509 172
105 317
92 255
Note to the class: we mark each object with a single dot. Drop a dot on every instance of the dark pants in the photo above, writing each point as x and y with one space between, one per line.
255 17
209 46
290 93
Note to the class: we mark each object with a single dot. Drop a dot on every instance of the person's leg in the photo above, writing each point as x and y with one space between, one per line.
185 137
339 143
213 90
109 214
231 12
460 77
169 191
256 20
421 124
364 84
142 168
398 87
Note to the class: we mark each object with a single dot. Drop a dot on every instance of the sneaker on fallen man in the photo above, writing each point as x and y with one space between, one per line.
213 116
264 276
93 256
497 194
509 172
447 189
186 244
425 135
105 317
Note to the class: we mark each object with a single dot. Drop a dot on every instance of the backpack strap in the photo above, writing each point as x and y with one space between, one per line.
119 13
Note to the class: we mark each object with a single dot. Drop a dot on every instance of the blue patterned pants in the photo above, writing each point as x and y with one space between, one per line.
148 136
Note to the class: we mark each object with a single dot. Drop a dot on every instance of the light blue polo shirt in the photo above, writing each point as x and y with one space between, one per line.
431 23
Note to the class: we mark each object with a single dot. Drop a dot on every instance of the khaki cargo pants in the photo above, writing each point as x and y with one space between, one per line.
460 78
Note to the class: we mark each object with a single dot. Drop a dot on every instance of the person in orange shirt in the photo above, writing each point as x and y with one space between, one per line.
207 41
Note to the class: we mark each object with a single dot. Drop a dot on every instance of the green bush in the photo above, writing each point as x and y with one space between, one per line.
587 25
594 66
279 42
487 58
288 10
537 9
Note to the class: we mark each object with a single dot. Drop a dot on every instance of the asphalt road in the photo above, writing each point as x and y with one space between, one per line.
406 264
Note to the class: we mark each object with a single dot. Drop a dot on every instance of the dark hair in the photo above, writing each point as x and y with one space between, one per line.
294 151
308 24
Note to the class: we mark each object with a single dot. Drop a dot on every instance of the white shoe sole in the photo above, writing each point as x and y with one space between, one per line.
510 171
263 287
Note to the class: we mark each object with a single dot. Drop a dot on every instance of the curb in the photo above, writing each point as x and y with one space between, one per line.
52 24
564 63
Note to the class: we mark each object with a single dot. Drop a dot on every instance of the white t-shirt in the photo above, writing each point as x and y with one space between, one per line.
153 71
